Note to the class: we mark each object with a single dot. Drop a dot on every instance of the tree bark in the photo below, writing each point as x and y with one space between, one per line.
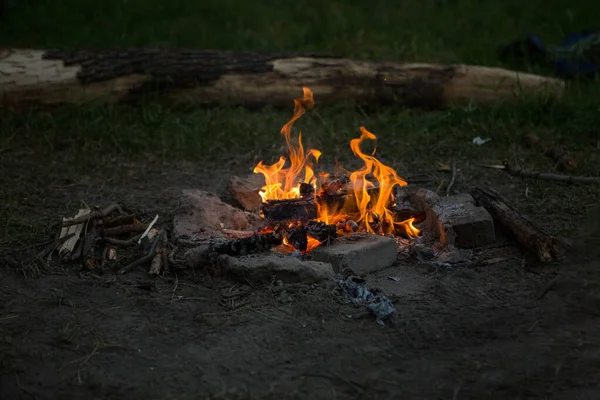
52 77
543 245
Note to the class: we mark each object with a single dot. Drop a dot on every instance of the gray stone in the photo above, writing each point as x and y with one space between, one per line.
462 224
422 252
455 220
474 229
265 268
362 253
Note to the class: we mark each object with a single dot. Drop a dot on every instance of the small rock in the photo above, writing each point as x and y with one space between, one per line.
422 252
245 191
204 212
265 268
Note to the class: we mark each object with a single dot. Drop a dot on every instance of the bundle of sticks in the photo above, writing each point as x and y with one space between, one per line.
92 239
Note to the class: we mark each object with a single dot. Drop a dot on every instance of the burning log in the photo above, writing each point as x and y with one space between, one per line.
52 77
322 231
253 244
207 252
289 209
543 245
335 186
297 236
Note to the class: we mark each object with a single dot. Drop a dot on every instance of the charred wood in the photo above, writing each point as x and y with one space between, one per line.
321 231
289 210
254 244
307 191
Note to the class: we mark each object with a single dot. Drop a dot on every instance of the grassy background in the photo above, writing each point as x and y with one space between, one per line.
468 31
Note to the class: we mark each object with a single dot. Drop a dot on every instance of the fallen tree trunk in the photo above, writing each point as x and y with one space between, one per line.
543 245
51 77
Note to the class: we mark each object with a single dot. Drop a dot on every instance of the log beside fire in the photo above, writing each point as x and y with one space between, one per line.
542 244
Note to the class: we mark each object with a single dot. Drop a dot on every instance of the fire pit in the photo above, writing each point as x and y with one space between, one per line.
356 219
298 222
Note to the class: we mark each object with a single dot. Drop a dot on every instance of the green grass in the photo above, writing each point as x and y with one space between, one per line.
447 31
468 31
435 30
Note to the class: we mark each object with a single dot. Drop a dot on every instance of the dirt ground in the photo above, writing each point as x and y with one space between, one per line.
497 332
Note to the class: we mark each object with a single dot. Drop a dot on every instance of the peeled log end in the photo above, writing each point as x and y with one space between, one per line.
40 77
489 84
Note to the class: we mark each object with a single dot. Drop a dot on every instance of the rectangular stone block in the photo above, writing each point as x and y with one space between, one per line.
362 253
462 224
474 229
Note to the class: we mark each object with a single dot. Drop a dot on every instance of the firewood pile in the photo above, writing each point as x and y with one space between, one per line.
96 237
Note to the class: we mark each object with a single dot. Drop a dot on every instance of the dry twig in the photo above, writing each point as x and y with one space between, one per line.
94 214
119 230
542 175
147 258
452 180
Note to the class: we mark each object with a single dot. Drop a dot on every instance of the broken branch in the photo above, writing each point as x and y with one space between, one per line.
120 242
146 259
544 246
157 263
544 176
452 180
120 230
93 215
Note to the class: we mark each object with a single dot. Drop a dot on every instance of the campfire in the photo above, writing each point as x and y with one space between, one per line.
361 220
307 207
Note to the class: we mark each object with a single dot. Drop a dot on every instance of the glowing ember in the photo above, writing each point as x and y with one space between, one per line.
371 198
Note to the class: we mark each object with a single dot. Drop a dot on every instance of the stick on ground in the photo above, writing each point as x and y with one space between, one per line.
542 244
146 259
452 180
544 176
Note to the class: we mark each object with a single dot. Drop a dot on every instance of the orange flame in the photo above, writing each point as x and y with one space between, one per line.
371 201
386 178
408 228
283 183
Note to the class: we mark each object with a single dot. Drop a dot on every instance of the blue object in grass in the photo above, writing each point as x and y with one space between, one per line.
578 54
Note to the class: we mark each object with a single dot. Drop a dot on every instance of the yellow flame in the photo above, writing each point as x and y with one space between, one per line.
283 183
371 200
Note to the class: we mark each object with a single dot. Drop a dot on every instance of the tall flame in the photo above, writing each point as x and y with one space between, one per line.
369 206
372 185
283 183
